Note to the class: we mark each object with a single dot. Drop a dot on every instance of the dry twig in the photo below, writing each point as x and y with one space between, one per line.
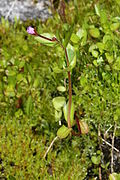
110 145
112 150
106 132
50 146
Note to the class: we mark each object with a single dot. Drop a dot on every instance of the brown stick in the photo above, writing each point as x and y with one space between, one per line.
112 150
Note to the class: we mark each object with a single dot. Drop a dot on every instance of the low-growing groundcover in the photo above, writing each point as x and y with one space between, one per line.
31 76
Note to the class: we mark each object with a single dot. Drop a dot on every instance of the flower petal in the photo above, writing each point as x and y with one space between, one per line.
31 30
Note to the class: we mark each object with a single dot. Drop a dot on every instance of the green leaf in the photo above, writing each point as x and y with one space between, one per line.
97 9
29 105
58 115
115 117
96 159
10 72
92 47
82 34
76 3
19 77
100 46
74 38
116 65
104 18
12 81
61 88
118 2
65 111
63 132
30 70
21 64
11 177
9 91
109 57
44 41
100 60
36 83
106 38
114 176
114 26
95 63
83 81
95 53
71 56
84 127
57 70
94 32
117 114
58 102
68 36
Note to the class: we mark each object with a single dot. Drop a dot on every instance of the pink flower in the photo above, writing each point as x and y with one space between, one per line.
31 30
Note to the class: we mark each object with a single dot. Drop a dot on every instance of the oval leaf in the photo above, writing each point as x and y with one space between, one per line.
36 83
58 115
96 159
95 53
61 88
114 176
63 132
94 32
68 36
58 102
114 26
74 38
65 111
71 56
82 34
84 127
10 72
29 105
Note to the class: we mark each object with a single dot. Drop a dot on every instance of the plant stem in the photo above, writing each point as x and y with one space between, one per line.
70 91
70 99
44 37
70 84
77 122
69 75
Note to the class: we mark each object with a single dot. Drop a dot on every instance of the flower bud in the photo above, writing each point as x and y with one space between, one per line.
31 31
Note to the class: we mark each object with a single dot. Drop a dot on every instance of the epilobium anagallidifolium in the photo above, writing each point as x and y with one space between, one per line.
59 103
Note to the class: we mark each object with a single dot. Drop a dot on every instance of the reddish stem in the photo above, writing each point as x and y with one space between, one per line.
69 75
46 38
70 91
78 124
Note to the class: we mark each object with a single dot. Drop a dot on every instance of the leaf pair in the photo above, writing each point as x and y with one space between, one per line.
59 103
